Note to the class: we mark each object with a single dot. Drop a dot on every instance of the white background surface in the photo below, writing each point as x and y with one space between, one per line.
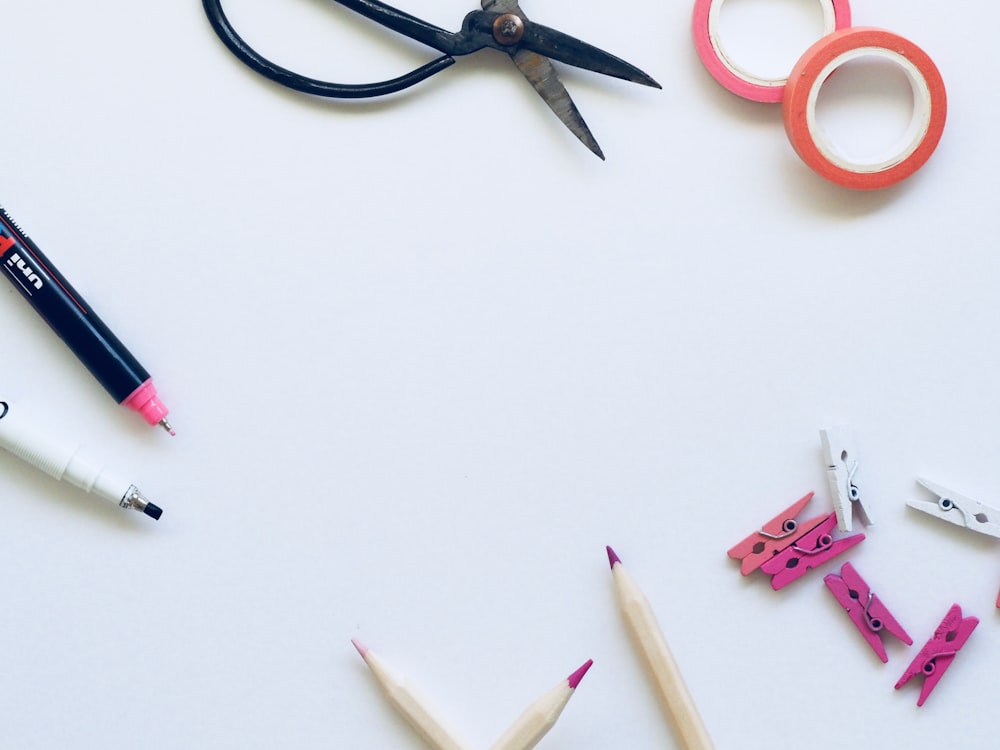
427 356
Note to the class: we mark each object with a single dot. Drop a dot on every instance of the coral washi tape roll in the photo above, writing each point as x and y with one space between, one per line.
811 72
705 27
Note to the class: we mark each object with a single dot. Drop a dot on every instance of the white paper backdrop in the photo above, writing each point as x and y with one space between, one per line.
426 357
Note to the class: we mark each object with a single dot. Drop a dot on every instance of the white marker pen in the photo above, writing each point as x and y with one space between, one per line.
61 460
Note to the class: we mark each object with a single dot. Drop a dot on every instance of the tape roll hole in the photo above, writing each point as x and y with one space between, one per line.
869 110
760 40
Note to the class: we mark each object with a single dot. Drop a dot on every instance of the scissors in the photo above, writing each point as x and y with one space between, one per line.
501 25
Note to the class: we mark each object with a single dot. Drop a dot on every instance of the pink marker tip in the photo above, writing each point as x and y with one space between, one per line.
574 679
612 557
145 401
362 648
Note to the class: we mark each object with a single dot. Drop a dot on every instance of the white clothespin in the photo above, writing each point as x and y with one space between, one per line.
959 510
841 470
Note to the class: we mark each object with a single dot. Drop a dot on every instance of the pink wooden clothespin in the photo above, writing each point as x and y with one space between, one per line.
939 652
810 551
774 536
869 615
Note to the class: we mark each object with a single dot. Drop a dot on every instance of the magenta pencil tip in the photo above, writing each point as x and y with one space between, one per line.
362 648
612 557
574 679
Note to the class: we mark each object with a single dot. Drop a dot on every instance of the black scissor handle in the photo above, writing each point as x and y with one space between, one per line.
255 61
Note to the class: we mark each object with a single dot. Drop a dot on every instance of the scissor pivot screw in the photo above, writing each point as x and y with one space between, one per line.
508 28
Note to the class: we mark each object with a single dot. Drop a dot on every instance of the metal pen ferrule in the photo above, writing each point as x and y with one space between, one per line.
135 500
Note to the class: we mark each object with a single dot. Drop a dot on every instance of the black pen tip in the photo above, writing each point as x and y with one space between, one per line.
153 511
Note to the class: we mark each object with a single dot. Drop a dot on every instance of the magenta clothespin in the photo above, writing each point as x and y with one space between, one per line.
809 552
869 615
774 536
939 652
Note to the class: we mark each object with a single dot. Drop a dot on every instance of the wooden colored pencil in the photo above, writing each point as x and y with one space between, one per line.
541 715
652 646
405 699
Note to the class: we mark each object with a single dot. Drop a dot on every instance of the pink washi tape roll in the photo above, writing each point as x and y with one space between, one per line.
930 107
705 26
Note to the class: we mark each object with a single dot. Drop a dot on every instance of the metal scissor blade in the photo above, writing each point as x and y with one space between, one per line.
542 75
501 6
572 51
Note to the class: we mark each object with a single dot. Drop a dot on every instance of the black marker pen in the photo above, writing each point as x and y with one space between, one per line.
71 318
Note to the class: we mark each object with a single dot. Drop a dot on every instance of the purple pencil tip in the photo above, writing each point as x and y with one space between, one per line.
612 557
574 679
362 648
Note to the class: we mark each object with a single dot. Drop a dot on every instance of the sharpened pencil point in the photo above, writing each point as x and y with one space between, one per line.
362 648
612 557
574 679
